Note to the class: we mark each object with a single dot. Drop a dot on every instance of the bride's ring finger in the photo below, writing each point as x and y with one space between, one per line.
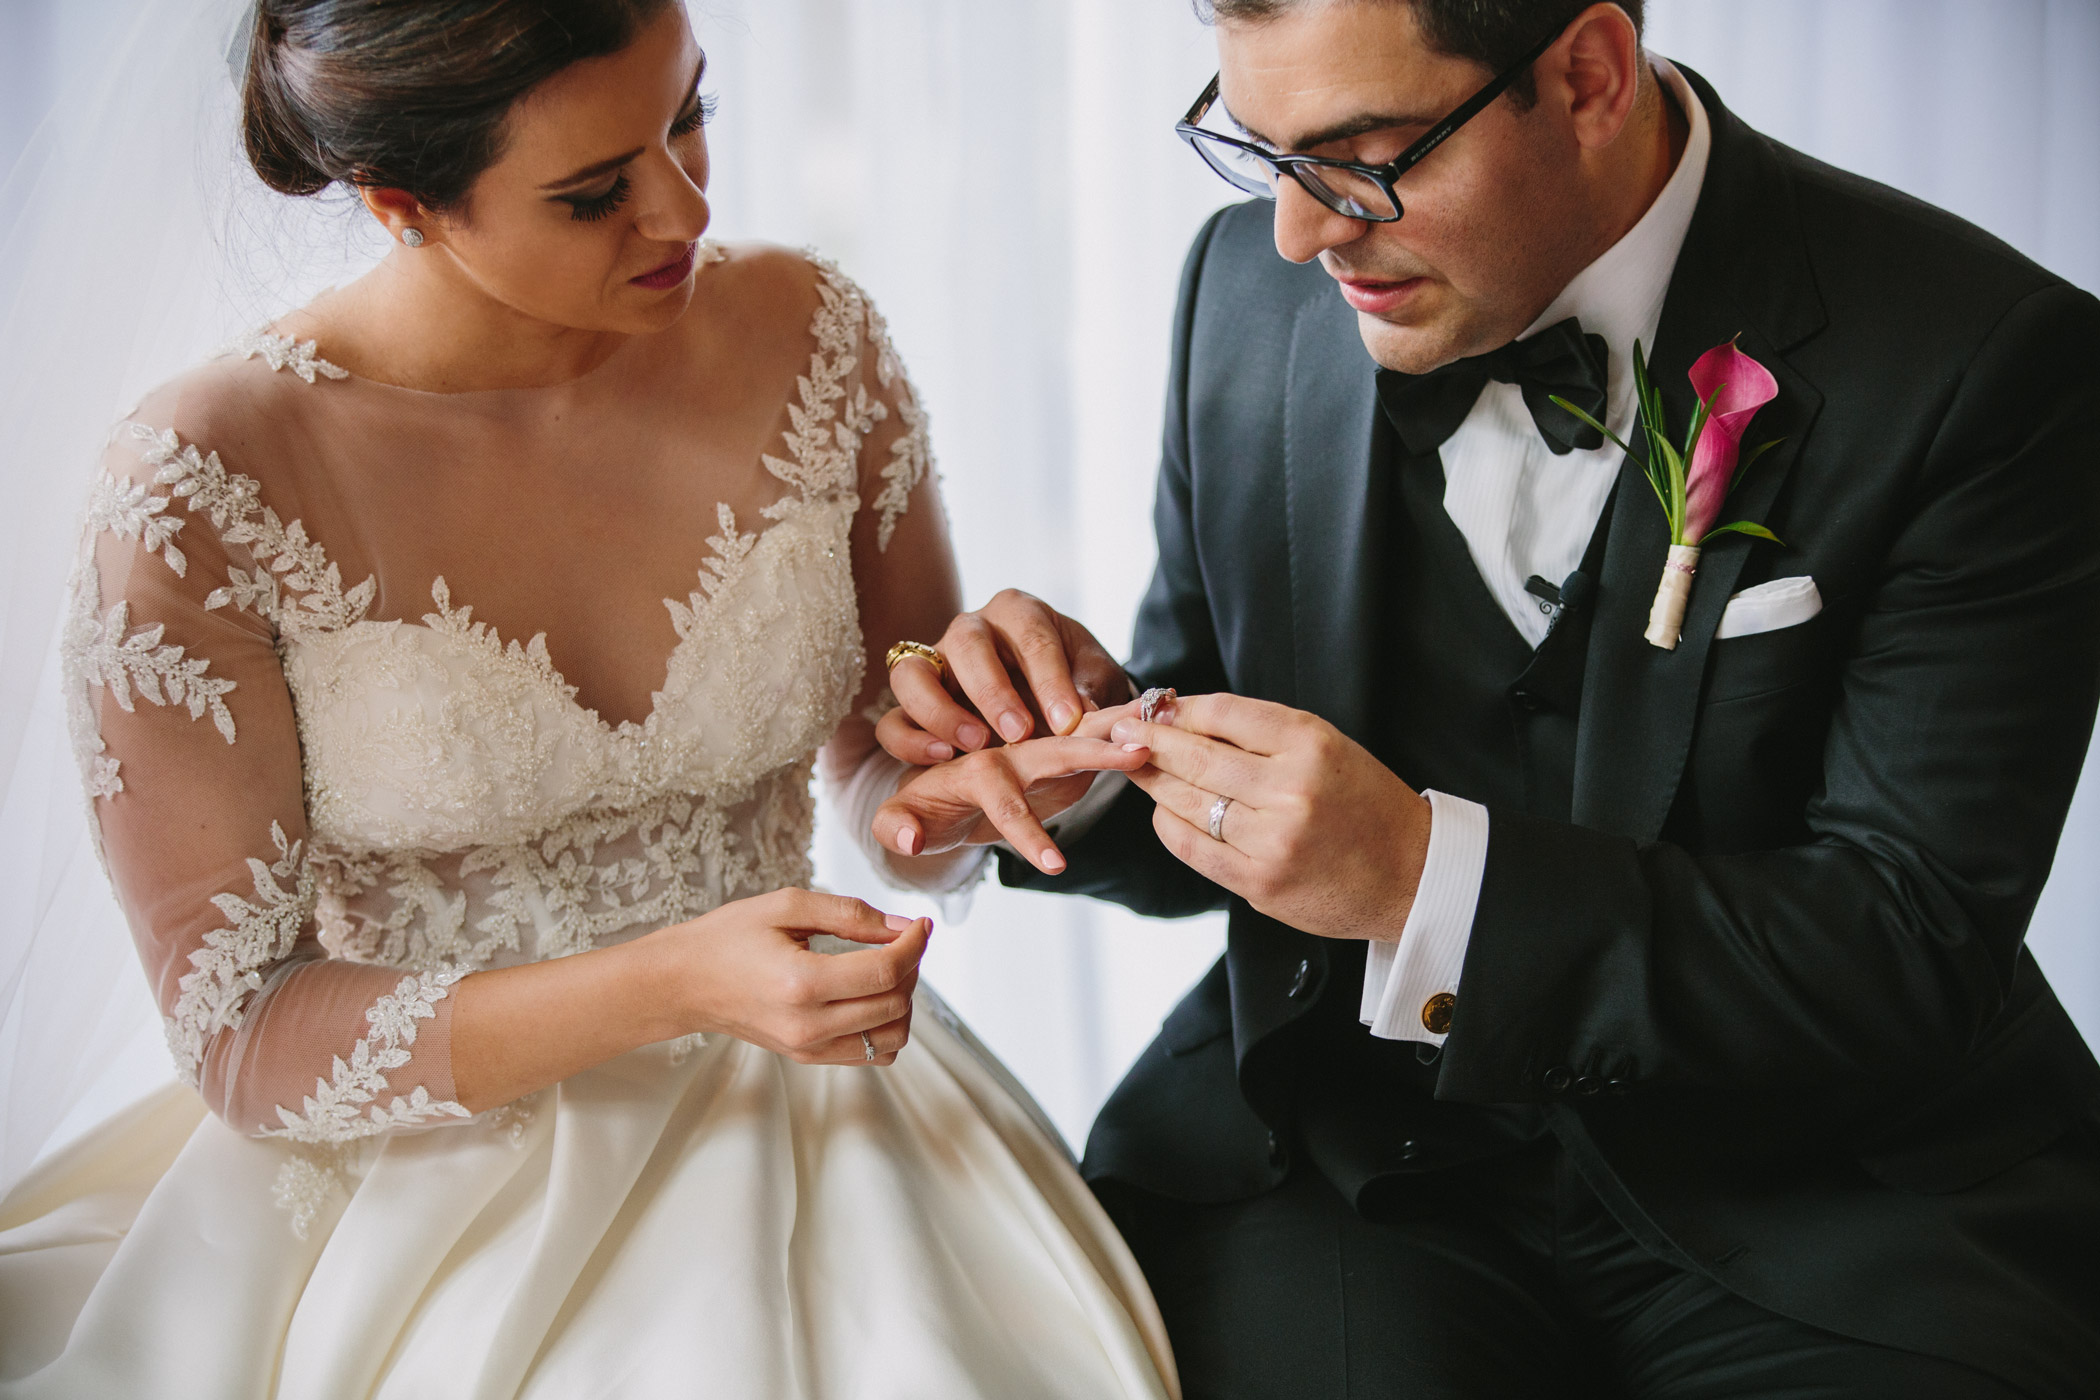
877 1046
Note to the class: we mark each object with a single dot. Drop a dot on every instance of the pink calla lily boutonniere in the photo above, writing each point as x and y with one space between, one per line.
1693 483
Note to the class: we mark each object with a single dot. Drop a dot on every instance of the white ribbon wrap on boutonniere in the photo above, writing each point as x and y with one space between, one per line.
1693 483
1672 595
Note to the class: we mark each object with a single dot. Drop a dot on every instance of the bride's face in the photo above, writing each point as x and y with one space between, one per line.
590 217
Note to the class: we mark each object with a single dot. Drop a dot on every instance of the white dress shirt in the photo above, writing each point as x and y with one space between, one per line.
1524 511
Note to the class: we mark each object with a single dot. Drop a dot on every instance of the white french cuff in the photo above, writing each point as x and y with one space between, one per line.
1411 986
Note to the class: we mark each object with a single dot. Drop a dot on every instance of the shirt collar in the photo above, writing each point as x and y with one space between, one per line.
1620 295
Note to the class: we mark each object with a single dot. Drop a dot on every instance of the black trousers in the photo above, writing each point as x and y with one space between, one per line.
1509 1280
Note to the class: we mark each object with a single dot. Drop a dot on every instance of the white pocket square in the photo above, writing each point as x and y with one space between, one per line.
1784 602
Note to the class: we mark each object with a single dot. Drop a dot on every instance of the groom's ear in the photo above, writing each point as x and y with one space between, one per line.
1596 75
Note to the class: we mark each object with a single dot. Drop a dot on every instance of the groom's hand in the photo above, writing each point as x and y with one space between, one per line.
1015 666
1318 834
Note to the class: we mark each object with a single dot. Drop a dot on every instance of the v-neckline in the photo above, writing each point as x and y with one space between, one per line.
806 482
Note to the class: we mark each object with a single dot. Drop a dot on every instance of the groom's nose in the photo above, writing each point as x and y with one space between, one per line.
1306 228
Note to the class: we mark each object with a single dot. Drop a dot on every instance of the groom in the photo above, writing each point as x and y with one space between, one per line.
1596 1018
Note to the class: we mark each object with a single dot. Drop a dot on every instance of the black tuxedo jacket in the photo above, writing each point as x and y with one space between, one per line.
1769 985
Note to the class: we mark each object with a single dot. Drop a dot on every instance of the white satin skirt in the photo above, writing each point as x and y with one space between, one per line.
717 1223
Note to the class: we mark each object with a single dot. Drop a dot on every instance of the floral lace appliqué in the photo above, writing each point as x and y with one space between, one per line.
911 455
346 1107
829 420
286 557
228 969
282 352
128 510
104 650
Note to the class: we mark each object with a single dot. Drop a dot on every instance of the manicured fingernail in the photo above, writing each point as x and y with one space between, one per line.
1063 717
1053 862
940 752
973 736
1133 748
1125 731
897 923
1014 726
908 841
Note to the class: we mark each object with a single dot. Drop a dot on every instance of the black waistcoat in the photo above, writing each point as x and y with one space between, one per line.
1467 707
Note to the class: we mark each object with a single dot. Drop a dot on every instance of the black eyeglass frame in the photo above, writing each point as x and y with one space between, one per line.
1383 176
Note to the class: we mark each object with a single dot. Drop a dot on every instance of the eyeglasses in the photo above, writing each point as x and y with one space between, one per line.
1350 189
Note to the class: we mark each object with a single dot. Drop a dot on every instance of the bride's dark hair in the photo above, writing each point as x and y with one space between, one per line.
408 96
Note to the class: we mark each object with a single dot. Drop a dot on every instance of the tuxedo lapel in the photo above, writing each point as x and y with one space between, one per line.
1743 272
1333 523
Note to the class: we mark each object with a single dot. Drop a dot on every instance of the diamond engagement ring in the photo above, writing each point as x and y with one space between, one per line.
1149 703
1217 818
869 1046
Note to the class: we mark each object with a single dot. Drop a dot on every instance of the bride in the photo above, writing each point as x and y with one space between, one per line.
446 666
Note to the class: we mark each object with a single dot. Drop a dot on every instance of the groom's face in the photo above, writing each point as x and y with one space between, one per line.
1491 216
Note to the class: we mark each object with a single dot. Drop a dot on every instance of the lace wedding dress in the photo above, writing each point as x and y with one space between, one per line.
327 789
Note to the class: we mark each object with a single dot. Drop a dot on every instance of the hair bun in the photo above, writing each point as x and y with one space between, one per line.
279 143
407 96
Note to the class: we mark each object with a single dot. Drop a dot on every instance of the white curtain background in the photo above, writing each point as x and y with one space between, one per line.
1003 176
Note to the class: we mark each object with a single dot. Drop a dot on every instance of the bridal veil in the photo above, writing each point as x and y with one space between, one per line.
144 243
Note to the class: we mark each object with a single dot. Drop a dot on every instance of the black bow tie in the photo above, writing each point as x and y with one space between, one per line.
1426 409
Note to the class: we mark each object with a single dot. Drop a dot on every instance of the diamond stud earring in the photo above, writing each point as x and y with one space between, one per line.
413 237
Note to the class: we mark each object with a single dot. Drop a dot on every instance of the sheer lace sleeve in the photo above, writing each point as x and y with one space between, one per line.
899 460
189 748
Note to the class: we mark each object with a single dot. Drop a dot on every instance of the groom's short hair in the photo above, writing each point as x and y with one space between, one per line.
1492 33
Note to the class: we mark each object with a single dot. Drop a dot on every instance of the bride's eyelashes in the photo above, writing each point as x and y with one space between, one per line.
699 114
589 209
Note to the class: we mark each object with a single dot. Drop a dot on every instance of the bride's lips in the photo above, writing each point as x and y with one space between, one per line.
1376 298
671 273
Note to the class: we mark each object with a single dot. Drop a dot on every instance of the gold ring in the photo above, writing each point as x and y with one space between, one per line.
931 655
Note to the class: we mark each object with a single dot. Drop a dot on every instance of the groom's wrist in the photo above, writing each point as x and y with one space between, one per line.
1411 988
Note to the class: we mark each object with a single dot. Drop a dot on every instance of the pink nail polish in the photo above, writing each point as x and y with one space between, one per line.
1133 748
1053 862
908 841
897 923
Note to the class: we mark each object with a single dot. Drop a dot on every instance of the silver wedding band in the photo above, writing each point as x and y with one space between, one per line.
1217 818
869 1046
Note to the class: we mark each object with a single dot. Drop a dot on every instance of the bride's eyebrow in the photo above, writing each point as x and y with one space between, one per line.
605 167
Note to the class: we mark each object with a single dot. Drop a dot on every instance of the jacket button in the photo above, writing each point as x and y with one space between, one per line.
1410 1150
1618 1086
1302 983
1557 1079
1436 1013
1589 1084
1277 1156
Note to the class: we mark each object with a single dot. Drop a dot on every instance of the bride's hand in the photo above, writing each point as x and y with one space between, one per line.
747 970
1015 668
1000 793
